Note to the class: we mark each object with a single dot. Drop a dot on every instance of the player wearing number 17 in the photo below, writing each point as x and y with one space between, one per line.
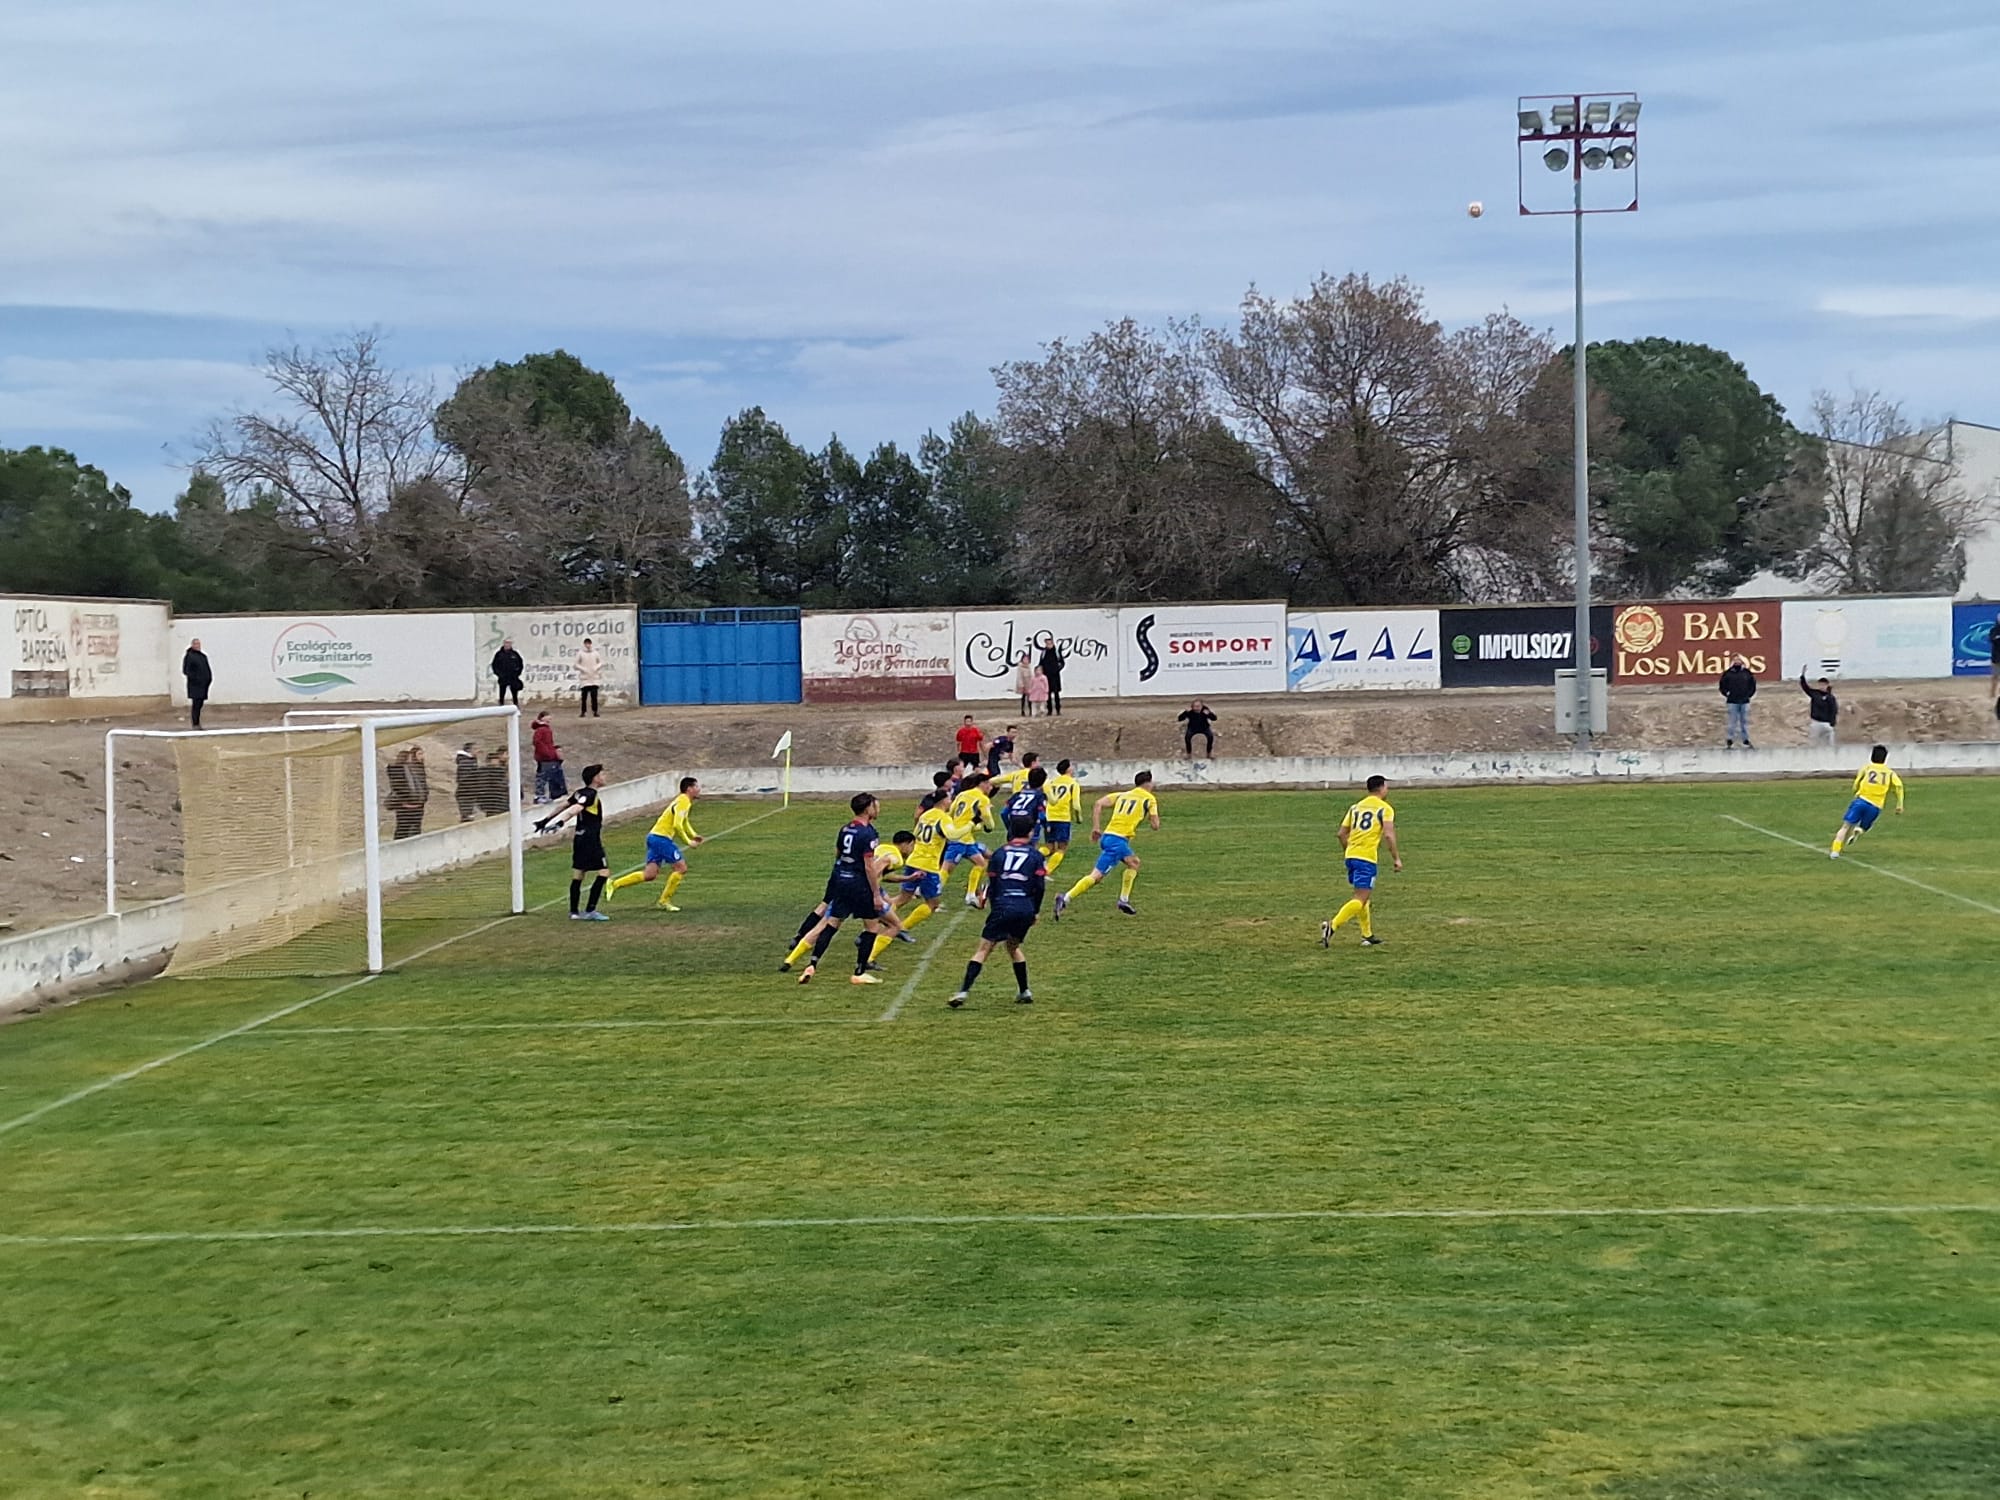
1129 808
1367 825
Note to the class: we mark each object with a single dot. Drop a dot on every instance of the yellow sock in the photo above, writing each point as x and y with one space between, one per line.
673 884
1367 919
635 877
881 947
1081 886
1056 859
1347 914
978 881
921 914
1125 889
805 946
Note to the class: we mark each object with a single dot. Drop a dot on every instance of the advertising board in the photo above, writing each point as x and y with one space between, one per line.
845 658
1332 650
548 640
303 659
1886 638
1972 639
1190 650
82 648
1516 645
1694 642
989 642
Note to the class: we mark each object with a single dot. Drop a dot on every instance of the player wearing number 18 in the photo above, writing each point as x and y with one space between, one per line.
1367 825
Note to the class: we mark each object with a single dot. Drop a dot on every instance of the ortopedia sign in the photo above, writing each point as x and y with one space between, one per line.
1187 650
1695 642
1349 649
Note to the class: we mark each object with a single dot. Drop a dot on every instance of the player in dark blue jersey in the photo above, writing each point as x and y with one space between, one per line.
1016 879
1029 805
855 890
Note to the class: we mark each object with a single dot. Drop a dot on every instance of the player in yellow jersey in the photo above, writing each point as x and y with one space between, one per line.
971 814
1008 783
1367 825
1872 785
1129 808
663 847
1065 796
922 879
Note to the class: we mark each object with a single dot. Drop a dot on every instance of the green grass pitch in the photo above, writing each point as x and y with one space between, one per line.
1589 998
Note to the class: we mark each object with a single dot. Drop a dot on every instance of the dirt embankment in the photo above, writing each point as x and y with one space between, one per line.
52 797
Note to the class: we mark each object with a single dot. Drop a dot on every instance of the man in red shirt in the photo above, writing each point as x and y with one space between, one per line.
971 738
550 783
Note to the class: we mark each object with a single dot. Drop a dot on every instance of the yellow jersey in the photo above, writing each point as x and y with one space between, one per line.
1012 781
673 823
1132 807
1064 793
971 810
1363 826
1874 783
932 835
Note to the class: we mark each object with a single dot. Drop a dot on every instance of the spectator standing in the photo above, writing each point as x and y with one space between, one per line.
409 790
1038 693
200 677
1001 750
550 784
1822 713
507 667
1051 665
1738 685
589 678
1198 719
1024 679
971 740
465 781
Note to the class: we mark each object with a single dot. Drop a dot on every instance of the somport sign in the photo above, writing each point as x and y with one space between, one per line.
1695 642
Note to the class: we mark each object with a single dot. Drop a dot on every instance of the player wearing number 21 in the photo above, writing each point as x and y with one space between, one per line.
1368 824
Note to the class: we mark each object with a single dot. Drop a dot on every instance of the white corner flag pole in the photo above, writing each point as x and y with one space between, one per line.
784 748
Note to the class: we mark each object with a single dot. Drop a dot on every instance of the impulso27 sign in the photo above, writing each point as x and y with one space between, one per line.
1516 645
1695 642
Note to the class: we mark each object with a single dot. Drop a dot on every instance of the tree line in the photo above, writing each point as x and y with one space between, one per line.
1340 447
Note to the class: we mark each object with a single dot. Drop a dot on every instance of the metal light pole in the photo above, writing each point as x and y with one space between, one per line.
1581 132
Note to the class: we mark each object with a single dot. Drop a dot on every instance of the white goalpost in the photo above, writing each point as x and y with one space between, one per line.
303 834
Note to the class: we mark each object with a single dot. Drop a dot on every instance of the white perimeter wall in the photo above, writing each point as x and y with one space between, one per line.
301 660
548 640
83 648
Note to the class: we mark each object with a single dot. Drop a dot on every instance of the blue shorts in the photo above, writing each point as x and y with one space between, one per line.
661 850
1862 813
1113 852
958 854
928 884
1056 833
845 901
1361 874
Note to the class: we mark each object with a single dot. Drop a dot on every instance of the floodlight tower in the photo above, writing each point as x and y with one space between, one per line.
1580 133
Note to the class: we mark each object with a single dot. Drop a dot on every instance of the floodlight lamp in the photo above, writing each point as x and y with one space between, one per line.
1564 116
1531 122
1597 113
1555 159
1628 113
1622 157
1595 158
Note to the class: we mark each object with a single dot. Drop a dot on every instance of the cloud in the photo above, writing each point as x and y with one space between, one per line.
1950 304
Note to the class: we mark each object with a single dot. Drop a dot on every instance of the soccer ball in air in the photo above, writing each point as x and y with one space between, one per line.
1475 208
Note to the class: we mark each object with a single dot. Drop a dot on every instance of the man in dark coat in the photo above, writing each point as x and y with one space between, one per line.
1823 712
1051 666
1738 685
200 677
508 667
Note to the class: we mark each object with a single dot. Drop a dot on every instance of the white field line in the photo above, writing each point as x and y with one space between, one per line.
917 974
1002 1220
636 1024
1846 859
88 1090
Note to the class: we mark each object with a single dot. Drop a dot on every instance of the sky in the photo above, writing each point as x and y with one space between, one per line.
848 213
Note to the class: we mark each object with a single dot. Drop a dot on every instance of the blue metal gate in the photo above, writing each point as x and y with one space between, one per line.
719 656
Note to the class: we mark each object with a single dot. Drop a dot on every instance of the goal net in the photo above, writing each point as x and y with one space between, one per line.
339 843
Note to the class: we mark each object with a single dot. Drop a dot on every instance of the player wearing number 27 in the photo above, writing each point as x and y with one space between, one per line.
1872 785
1367 825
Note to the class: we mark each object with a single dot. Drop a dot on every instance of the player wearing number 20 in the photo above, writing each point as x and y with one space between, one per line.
1362 832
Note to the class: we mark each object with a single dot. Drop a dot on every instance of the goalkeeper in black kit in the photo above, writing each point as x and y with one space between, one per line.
1016 879
587 843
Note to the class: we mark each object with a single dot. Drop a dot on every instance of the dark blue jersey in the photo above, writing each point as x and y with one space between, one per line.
1016 879
851 851
1030 805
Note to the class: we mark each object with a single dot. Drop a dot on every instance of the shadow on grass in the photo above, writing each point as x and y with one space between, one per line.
1955 1460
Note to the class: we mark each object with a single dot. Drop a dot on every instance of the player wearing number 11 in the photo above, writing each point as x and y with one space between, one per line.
1362 832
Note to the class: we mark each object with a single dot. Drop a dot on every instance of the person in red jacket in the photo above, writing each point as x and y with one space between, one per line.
550 783
971 738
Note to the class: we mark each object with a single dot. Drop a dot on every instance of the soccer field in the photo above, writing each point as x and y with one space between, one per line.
1652 1155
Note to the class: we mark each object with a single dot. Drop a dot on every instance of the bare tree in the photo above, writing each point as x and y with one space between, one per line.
1131 485
1403 464
1898 517
347 435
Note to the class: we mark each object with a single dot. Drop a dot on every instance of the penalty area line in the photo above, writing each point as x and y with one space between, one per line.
90 1090
1001 1220
1887 874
